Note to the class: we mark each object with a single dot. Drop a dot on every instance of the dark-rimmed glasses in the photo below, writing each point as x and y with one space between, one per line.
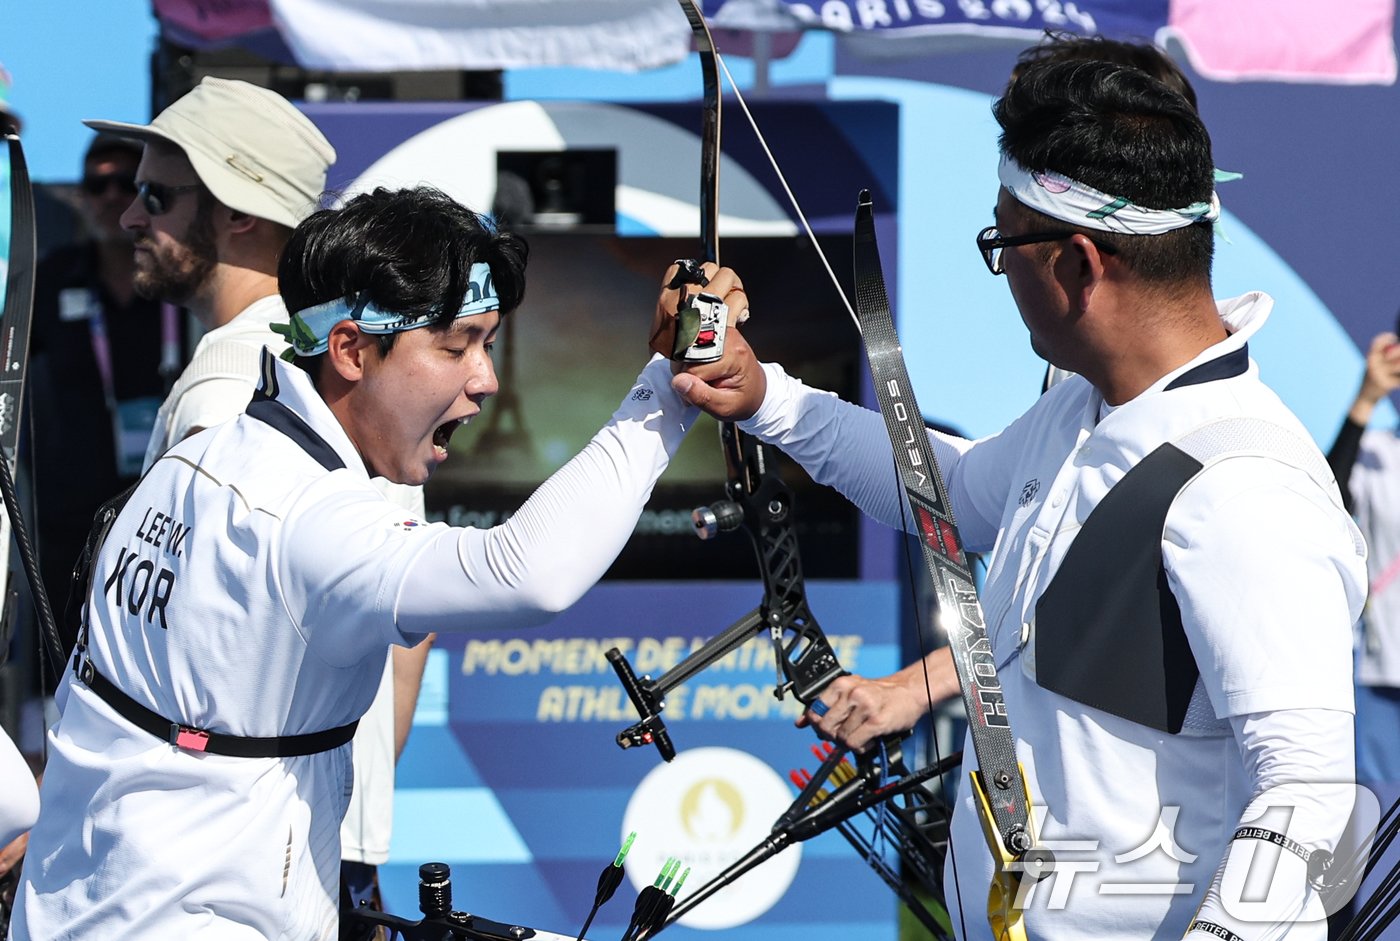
157 197
990 243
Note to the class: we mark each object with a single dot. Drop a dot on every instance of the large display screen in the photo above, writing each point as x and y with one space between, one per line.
569 354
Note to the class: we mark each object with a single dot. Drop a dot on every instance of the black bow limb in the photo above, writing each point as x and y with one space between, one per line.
15 324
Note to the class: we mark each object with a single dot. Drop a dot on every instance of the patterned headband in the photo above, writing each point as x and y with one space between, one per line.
310 329
1073 202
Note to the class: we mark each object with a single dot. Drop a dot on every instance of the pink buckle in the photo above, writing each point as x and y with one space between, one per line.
187 738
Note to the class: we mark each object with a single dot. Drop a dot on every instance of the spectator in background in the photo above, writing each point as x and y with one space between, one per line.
1367 466
97 354
225 174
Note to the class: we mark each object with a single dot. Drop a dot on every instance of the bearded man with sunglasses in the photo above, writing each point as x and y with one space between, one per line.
229 169
97 353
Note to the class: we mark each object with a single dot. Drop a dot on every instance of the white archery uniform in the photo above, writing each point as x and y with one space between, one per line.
248 589
1269 575
214 387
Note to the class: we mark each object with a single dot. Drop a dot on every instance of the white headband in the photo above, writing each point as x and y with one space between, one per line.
1071 201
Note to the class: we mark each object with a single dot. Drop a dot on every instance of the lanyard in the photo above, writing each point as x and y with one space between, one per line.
102 346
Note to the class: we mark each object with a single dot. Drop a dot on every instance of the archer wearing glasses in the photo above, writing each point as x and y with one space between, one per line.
1173 578
990 242
101 357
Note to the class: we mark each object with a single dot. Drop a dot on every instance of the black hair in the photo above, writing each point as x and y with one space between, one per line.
411 250
1121 131
1061 46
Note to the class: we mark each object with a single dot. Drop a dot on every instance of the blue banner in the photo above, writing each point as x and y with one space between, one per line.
512 775
922 18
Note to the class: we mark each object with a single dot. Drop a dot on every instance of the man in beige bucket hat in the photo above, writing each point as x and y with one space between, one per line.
228 170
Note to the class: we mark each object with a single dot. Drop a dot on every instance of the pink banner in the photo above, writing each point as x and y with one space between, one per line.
1341 41
214 20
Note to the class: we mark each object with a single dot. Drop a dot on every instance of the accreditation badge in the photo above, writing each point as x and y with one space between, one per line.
76 304
134 419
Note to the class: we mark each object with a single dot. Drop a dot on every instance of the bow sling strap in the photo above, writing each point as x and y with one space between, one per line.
265 408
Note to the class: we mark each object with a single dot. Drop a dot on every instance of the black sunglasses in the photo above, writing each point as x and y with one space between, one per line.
157 197
990 242
99 183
